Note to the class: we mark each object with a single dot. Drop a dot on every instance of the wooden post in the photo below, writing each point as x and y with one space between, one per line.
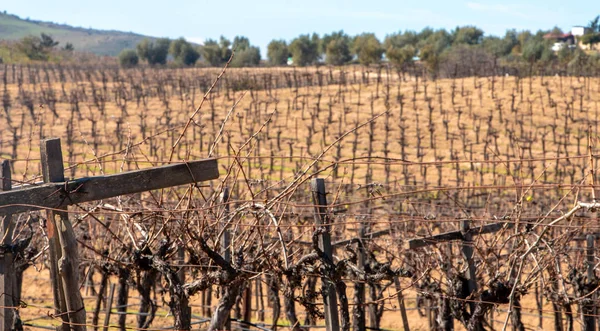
359 322
247 317
109 306
226 239
7 273
329 294
63 246
589 311
467 251
401 305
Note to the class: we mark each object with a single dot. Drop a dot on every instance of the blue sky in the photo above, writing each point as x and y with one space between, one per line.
262 21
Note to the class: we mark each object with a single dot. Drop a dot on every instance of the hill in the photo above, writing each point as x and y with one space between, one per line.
101 42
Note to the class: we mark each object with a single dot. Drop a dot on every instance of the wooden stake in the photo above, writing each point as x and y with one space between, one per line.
329 294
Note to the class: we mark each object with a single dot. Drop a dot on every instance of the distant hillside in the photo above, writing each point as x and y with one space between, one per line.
101 42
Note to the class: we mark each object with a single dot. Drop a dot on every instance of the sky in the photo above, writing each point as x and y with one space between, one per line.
264 20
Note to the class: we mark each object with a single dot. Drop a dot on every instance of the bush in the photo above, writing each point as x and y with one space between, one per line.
128 58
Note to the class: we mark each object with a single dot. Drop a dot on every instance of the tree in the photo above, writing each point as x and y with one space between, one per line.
367 48
433 47
590 38
69 47
240 43
500 47
32 48
336 47
469 35
183 52
595 24
537 51
128 58
278 52
248 57
47 41
401 48
155 52
305 50
225 48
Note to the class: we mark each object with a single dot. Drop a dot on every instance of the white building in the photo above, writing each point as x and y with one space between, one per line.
579 31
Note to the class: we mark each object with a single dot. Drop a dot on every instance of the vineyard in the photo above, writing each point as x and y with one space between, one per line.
347 198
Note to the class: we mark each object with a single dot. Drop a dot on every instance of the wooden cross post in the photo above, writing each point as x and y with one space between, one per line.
57 194
7 272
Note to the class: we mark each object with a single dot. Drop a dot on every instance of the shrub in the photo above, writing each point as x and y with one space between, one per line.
128 58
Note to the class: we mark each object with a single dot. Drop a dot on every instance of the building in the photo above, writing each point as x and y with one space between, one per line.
578 31
561 40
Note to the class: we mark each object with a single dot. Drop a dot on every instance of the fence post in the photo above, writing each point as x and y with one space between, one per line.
467 252
589 313
359 316
7 272
401 305
329 295
63 245
109 306
226 239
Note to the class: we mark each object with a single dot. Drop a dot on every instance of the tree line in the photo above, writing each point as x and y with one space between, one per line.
184 53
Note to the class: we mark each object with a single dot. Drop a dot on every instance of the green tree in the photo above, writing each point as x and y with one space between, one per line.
211 51
32 48
367 48
500 47
155 52
590 38
433 47
128 58
47 41
305 50
183 52
69 47
401 48
225 48
579 62
247 57
469 35
278 52
537 51
240 43
336 47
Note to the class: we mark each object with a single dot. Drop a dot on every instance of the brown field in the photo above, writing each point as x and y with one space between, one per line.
398 152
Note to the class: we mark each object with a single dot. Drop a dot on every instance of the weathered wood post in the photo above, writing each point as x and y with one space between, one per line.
109 307
329 294
64 258
358 311
226 239
467 252
402 306
7 272
588 310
